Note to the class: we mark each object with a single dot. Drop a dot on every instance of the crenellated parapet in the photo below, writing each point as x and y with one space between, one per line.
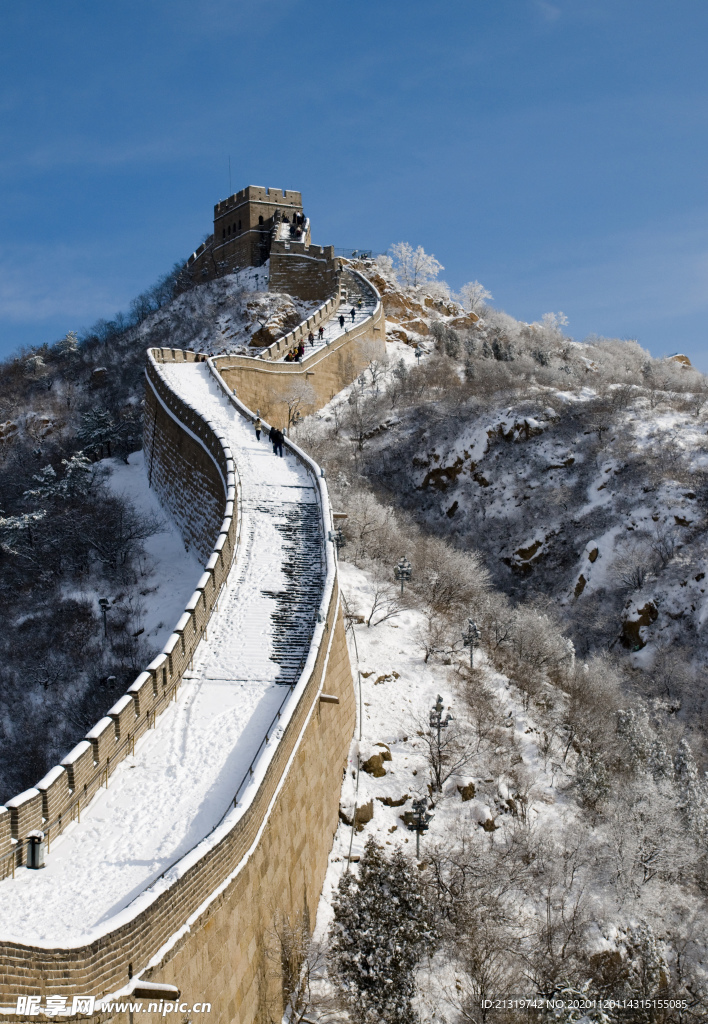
59 798
203 925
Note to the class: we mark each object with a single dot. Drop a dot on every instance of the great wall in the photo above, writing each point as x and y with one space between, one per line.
103 919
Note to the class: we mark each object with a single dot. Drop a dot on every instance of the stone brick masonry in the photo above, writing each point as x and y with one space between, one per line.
210 933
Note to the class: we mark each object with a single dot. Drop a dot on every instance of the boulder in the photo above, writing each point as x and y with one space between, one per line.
374 766
362 816
463 323
388 801
631 626
466 792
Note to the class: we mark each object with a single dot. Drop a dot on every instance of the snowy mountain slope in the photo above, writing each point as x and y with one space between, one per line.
578 472
228 314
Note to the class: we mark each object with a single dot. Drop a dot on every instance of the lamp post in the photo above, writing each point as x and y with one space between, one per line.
104 603
337 538
471 638
418 353
403 572
437 722
421 822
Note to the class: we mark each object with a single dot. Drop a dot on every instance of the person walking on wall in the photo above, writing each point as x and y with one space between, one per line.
272 436
321 332
278 443
341 320
258 425
353 313
311 339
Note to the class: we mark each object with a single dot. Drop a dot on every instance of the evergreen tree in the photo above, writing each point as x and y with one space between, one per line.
69 345
692 791
380 931
97 431
75 483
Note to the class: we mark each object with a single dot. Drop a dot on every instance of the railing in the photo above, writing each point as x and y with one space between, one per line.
357 254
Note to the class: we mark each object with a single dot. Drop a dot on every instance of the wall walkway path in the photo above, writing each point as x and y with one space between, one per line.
363 300
166 797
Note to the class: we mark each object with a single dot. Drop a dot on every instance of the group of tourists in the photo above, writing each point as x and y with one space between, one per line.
295 354
275 435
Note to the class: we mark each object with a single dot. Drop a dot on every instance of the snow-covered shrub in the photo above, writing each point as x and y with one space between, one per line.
381 929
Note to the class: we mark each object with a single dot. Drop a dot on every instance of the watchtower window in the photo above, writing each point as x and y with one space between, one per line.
229 229
260 219
223 233
239 225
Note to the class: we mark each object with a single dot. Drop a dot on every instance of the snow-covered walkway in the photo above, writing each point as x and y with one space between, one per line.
359 299
166 797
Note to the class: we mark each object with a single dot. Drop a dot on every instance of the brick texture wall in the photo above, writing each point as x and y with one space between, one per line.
185 478
266 385
307 271
211 930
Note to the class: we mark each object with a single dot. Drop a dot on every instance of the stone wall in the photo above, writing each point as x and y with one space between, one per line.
230 955
306 271
185 476
59 797
210 931
267 385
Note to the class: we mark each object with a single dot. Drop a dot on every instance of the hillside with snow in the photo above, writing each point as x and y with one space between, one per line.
549 490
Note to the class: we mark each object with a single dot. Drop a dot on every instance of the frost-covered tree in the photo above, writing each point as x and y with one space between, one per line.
75 483
554 323
692 790
592 778
97 431
381 929
12 527
633 726
474 296
69 345
414 267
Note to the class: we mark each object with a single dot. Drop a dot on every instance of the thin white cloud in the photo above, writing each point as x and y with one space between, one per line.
548 11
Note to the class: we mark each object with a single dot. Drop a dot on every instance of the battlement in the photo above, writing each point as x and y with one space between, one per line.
283 246
259 194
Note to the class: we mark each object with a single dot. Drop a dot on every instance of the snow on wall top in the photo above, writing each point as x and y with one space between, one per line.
167 803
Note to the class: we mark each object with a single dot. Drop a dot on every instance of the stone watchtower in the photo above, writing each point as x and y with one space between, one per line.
244 223
258 224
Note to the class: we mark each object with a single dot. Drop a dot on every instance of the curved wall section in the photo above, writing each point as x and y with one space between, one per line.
207 924
58 799
185 461
262 383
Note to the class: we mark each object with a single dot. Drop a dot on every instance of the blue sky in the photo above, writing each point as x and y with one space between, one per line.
553 149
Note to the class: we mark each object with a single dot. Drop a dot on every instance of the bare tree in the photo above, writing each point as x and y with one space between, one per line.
385 602
299 963
297 396
634 567
664 542
435 637
448 751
